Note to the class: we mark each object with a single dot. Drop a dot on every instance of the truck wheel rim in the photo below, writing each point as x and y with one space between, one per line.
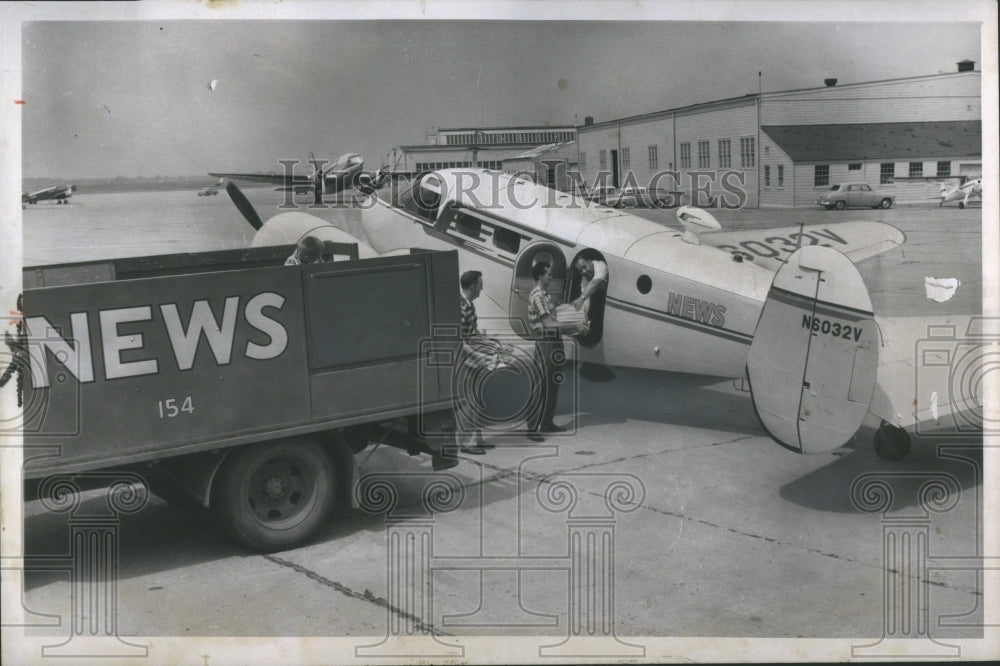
281 492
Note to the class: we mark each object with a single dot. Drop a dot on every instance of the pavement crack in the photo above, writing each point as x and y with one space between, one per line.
814 551
367 595
506 472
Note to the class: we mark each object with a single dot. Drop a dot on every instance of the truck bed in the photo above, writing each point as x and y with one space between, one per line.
148 358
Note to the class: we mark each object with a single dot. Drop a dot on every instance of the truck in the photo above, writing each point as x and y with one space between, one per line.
236 383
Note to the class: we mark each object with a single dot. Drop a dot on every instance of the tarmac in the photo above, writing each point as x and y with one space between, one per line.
664 512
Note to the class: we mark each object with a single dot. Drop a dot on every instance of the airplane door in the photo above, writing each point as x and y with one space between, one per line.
522 282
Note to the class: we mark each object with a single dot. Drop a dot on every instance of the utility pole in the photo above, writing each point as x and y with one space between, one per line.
758 148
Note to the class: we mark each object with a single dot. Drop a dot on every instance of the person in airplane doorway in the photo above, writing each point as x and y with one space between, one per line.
594 276
309 250
549 352
475 346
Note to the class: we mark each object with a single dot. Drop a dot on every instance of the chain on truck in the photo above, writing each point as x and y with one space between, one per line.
230 380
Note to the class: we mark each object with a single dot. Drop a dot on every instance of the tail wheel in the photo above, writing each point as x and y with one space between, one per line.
886 203
273 496
891 443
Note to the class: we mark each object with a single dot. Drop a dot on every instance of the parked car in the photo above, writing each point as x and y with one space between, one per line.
609 195
855 195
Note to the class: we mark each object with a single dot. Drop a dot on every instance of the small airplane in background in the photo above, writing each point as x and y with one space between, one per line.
59 192
344 172
961 191
795 320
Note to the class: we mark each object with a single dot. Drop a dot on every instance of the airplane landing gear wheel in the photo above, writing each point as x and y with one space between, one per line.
891 443
961 205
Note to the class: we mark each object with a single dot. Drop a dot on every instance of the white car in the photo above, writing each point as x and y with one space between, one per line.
855 195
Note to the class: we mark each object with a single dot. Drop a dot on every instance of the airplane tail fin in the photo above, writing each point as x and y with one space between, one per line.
813 362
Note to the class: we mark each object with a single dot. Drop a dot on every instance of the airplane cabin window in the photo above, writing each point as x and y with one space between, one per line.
506 240
644 284
468 226
420 201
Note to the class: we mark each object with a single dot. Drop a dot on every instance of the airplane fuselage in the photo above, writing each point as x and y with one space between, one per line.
60 193
670 305
677 302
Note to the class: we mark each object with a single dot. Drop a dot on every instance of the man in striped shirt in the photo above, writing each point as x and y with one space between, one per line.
549 353
472 286
471 283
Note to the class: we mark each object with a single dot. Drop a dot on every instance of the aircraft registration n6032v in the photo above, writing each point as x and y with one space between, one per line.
784 308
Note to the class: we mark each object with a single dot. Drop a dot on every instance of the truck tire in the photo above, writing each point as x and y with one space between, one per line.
274 495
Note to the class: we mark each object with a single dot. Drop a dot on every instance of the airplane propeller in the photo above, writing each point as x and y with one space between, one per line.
244 206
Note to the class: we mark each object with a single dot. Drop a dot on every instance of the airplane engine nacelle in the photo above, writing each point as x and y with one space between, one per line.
696 221
288 228
814 359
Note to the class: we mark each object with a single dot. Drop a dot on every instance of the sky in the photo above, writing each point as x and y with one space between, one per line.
132 98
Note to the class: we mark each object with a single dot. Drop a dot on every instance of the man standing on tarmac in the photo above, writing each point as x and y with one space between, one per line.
549 353
472 285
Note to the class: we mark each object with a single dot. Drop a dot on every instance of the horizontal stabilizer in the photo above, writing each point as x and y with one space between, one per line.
813 362
771 248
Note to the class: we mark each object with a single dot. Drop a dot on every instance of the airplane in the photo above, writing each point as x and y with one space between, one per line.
963 189
783 310
59 192
341 174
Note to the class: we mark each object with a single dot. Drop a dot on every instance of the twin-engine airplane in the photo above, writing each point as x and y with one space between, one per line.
340 175
784 308
962 191
59 192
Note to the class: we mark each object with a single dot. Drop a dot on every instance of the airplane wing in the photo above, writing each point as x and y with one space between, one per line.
771 247
269 178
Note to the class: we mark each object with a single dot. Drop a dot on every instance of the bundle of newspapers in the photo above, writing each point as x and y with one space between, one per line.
576 319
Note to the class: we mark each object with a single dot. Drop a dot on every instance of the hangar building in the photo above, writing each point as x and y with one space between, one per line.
481 147
782 149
